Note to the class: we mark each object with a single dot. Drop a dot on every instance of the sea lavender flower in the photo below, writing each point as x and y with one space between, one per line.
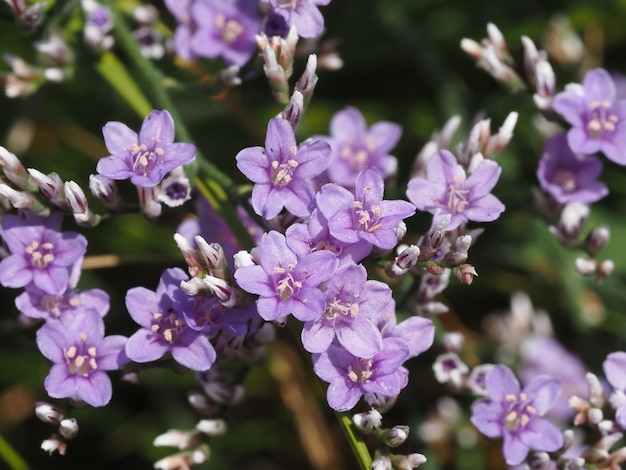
225 29
356 147
448 189
568 177
98 25
351 377
81 354
598 119
615 370
163 328
36 303
285 283
303 14
181 9
146 157
281 171
39 252
363 215
351 305
516 414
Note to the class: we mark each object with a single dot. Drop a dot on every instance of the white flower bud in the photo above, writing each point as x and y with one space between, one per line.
211 427
68 428
48 413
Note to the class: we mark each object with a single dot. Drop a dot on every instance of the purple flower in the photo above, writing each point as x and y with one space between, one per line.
363 215
303 14
351 304
39 253
315 236
516 414
81 354
36 303
146 157
281 171
615 370
351 377
355 147
569 178
448 189
598 119
164 328
185 28
226 29
286 284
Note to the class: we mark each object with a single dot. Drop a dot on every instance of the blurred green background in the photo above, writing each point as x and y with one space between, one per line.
402 63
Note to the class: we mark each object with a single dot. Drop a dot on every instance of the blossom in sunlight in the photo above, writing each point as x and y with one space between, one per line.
282 171
81 354
363 215
567 177
597 117
40 254
287 285
146 157
449 190
515 414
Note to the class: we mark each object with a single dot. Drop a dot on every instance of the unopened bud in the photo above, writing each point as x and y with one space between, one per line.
409 462
472 48
227 295
294 110
539 461
465 273
177 438
48 413
395 436
195 286
453 341
150 208
368 421
105 189
585 266
597 239
15 171
51 186
77 203
406 260
243 259
211 427
54 444
605 269
308 80
22 200
68 428
201 403
213 256
435 236
189 254
595 415
381 462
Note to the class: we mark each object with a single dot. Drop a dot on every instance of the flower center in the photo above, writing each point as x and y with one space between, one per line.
230 29
168 326
282 173
457 198
566 179
336 308
519 411
356 157
367 220
601 120
81 359
143 159
287 286
361 370
40 254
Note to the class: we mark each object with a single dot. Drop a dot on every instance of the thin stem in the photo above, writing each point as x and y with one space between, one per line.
11 457
359 449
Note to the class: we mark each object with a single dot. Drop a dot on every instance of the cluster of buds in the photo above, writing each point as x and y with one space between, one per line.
29 16
589 410
302 94
492 55
98 24
150 40
278 55
540 74
481 141
370 422
67 428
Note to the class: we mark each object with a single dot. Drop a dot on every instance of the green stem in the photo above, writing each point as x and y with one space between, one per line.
11 457
359 449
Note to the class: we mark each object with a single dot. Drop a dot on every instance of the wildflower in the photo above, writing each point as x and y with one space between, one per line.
81 354
356 147
285 283
449 190
303 14
516 414
568 177
598 119
146 157
614 368
39 253
281 171
225 29
363 215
